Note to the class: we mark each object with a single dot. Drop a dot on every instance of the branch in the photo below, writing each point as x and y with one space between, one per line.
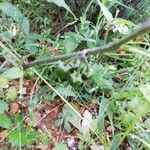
144 28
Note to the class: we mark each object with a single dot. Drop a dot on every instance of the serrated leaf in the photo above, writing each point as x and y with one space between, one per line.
5 121
105 11
3 106
101 77
13 73
13 12
70 43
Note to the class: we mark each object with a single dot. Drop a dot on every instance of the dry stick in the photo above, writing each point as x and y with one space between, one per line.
144 28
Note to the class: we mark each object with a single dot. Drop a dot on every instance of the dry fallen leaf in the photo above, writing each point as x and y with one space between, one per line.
97 147
24 104
87 119
3 134
14 108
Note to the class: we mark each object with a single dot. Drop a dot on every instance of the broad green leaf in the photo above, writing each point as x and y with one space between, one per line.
60 146
13 12
105 11
5 121
72 117
65 91
70 43
13 73
16 138
11 93
62 3
3 106
21 138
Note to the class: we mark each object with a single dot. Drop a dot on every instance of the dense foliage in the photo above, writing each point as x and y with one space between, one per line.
99 101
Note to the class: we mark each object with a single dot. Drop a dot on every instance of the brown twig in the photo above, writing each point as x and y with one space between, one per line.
144 28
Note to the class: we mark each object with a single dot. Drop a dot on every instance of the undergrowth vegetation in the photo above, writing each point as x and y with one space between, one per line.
66 82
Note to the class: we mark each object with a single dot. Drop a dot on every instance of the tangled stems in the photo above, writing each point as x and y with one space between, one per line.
144 28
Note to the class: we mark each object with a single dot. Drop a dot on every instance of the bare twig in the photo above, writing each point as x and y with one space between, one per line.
144 28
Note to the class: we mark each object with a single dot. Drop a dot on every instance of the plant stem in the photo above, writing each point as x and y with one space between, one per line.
144 28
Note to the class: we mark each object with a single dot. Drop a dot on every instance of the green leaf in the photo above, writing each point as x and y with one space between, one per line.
16 138
11 93
65 91
60 146
25 26
31 45
70 43
13 12
115 141
3 82
3 106
59 122
13 73
105 11
76 77
67 126
126 118
5 121
102 76
101 116
145 90
21 138
72 117
62 3
31 136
